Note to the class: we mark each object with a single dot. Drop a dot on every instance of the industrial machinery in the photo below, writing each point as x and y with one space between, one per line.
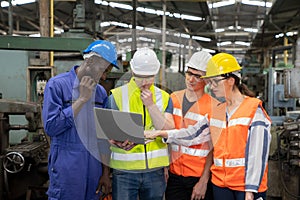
283 106
23 167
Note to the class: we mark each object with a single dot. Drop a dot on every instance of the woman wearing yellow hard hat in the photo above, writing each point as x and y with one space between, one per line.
241 137
240 133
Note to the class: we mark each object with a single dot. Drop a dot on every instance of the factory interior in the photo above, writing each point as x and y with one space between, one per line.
42 38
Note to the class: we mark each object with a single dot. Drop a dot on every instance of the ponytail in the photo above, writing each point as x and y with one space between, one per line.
241 86
245 90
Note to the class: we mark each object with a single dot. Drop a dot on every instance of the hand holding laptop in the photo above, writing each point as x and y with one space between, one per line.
126 145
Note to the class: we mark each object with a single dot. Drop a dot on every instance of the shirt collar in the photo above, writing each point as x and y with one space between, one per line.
74 77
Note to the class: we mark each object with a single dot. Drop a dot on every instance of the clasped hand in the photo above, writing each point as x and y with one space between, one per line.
126 145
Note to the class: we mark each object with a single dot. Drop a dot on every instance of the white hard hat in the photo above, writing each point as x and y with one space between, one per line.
145 62
199 60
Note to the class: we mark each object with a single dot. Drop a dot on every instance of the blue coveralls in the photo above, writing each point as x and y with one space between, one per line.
74 165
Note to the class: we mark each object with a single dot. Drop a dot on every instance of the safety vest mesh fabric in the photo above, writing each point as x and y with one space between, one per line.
228 169
151 155
189 161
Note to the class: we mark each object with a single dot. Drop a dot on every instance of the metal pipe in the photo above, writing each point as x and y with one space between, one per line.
297 52
133 44
18 127
51 29
285 53
10 18
163 57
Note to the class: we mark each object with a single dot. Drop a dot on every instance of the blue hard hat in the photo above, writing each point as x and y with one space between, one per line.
105 49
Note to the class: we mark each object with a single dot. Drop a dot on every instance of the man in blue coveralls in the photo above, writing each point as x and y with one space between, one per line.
74 166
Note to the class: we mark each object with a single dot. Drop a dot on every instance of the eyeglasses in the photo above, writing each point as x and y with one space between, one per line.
215 82
143 78
196 76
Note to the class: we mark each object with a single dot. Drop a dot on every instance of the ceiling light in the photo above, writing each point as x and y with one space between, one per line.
204 39
120 5
190 17
145 39
176 15
257 3
218 30
221 4
252 30
104 3
208 50
172 44
279 35
35 35
148 10
224 43
242 43
16 2
120 24
139 28
287 34
104 24
232 49
153 30
236 34
292 33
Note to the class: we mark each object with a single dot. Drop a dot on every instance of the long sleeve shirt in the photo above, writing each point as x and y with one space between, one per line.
257 147
74 164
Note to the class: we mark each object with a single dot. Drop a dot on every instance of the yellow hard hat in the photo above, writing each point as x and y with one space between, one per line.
221 63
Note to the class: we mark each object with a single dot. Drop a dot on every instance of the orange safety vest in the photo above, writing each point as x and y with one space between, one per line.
189 161
228 169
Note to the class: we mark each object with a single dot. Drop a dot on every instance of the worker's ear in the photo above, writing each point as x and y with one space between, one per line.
231 81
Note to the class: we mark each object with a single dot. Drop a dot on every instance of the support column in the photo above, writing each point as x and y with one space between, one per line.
44 28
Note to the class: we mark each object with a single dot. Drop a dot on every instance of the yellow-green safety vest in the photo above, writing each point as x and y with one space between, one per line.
142 156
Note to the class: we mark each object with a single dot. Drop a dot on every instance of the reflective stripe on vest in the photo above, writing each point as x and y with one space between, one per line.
159 100
245 121
125 100
234 122
235 162
190 151
217 123
177 112
139 156
188 115
193 116
218 162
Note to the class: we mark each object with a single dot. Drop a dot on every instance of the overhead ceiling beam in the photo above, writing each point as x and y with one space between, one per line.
44 43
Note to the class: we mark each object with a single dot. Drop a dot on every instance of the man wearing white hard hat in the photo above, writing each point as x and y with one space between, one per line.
138 170
189 173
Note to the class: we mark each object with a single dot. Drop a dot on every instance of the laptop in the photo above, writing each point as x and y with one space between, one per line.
118 125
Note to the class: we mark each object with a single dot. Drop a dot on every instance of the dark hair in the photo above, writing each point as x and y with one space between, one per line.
241 86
